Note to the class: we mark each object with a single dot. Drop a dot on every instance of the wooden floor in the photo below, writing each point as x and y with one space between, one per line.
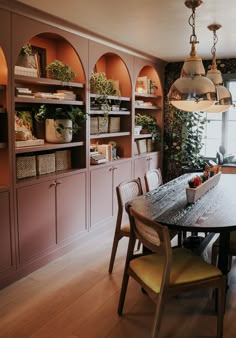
75 297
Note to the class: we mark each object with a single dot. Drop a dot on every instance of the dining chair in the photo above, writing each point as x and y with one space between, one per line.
153 179
166 271
232 250
126 191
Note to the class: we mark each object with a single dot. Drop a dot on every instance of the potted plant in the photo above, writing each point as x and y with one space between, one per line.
149 125
104 88
61 123
57 70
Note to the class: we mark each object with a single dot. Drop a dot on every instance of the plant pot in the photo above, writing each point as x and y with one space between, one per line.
58 131
40 129
144 131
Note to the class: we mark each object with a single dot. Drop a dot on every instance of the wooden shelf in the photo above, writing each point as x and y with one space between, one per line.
46 82
147 107
105 135
3 188
142 136
100 112
44 100
151 96
48 146
110 97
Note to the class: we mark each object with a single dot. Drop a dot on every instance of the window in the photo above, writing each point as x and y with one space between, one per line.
220 128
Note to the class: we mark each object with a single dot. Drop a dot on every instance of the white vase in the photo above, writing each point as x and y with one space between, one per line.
58 131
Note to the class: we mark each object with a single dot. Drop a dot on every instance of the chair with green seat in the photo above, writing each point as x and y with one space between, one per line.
232 250
166 271
126 191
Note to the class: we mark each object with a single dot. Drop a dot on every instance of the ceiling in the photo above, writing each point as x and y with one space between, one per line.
157 27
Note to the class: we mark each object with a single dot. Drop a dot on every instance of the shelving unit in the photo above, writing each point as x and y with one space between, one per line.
44 216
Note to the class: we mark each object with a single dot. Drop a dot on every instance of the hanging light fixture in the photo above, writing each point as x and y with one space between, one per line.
193 91
224 96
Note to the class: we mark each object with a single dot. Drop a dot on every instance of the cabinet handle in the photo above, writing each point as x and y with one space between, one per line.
53 184
111 169
58 182
114 168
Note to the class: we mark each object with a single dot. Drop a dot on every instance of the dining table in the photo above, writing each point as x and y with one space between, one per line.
213 213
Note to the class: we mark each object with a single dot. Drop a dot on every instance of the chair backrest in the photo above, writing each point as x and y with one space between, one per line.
153 235
153 179
128 190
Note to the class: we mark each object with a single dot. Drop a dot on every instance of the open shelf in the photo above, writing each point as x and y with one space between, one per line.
117 112
48 146
44 101
142 136
46 81
94 136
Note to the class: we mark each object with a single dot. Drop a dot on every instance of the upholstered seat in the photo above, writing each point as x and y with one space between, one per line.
167 271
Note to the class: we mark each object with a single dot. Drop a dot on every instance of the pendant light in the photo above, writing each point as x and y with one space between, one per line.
193 91
224 96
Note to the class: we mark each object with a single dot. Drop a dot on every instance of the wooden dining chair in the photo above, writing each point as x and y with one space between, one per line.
153 179
126 191
167 271
232 250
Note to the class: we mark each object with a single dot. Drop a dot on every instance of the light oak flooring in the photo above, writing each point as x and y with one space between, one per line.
75 297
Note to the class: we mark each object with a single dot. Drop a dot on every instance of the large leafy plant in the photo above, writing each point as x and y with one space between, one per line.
149 123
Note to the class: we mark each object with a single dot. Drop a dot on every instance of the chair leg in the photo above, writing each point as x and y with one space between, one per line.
123 293
221 308
113 252
157 318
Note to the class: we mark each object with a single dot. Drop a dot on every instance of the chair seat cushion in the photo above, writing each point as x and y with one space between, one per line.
186 267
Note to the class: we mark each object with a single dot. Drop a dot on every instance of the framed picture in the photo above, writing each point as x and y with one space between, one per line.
40 59
142 85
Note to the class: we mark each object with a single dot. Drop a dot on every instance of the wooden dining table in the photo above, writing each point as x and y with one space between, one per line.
214 212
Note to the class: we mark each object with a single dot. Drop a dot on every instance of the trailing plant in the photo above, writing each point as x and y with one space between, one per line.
148 122
73 113
59 71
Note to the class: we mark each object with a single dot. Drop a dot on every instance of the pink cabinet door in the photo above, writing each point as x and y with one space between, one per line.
71 206
5 233
101 195
36 220
121 172
154 161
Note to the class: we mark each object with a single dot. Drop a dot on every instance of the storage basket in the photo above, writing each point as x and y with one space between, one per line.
150 145
45 163
114 124
25 166
93 125
142 146
63 160
103 124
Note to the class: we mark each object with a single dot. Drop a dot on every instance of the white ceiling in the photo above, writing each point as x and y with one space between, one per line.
156 27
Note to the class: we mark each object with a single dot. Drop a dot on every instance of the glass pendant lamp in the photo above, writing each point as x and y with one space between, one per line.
193 91
224 101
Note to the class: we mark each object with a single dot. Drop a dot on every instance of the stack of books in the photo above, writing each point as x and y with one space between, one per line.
24 92
62 94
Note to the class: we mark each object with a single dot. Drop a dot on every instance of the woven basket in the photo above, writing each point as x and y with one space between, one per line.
25 166
114 124
45 163
103 123
63 160
93 125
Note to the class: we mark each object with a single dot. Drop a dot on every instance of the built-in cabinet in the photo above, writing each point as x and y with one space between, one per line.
103 184
45 214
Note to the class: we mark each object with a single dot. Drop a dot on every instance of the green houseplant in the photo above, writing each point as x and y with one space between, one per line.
65 120
104 88
57 70
148 124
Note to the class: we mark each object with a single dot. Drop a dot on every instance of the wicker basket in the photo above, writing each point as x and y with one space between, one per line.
114 125
45 163
25 166
63 160
103 123
142 146
93 125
